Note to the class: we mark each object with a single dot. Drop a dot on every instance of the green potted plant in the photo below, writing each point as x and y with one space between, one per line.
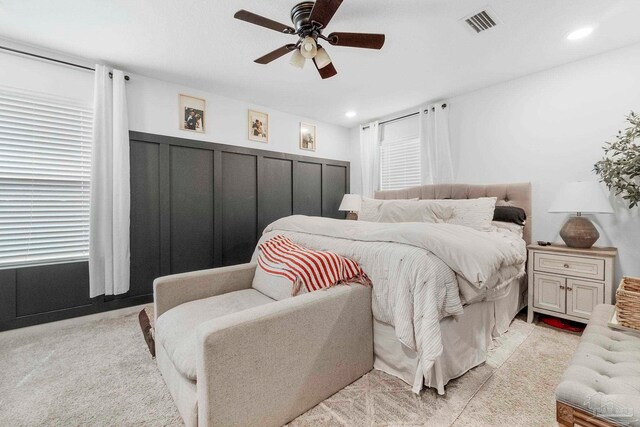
620 167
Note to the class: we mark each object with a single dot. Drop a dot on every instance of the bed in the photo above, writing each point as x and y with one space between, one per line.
466 338
427 330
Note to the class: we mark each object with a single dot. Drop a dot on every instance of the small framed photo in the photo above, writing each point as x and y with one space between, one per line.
258 126
192 113
307 136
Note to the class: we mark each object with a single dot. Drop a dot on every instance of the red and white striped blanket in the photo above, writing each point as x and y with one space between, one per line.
307 267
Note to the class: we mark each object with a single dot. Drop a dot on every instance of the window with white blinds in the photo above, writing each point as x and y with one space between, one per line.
400 154
45 161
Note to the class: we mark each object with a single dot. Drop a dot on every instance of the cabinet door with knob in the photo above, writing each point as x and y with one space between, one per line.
583 296
549 292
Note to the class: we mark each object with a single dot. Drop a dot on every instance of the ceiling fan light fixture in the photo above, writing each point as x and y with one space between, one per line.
297 60
322 58
308 47
310 19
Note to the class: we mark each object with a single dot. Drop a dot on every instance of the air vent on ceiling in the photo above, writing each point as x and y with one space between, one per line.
481 21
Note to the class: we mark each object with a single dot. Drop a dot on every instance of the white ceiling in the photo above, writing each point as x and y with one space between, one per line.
428 55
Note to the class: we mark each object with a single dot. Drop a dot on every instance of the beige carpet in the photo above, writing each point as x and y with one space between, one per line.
100 373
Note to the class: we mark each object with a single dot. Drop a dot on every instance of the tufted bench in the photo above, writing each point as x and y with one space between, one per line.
601 387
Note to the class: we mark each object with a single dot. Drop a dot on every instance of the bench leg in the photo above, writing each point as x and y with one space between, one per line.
568 416
564 415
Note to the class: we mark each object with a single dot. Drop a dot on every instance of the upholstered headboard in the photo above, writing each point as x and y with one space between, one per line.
518 194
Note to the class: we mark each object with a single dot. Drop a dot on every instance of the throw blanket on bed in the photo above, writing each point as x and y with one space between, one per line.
413 268
306 267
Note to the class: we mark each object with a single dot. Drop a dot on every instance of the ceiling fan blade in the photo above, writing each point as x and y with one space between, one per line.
323 11
252 18
327 71
363 40
271 56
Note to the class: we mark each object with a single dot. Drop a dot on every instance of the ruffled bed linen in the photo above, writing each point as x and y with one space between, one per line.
413 267
466 340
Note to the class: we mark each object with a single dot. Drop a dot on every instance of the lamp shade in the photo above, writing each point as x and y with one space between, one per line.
308 47
581 197
297 60
351 203
322 58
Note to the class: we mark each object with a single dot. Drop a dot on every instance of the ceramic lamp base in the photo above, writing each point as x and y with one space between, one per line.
579 232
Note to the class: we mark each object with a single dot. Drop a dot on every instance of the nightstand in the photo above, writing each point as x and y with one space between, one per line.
567 282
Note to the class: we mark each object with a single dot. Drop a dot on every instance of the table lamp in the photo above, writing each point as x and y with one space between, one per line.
351 203
580 197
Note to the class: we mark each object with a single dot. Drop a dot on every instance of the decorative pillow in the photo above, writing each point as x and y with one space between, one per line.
273 286
290 269
474 213
414 211
371 209
512 214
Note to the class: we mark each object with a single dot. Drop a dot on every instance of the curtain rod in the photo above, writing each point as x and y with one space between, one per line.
46 58
405 116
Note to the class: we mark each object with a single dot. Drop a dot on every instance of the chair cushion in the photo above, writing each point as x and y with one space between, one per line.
276 287
176 329
604 376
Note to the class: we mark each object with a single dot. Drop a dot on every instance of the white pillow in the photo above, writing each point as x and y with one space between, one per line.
414 211
272 285
474 213
370 209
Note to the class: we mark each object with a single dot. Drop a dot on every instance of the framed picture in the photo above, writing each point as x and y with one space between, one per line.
258 126
307 136
192 113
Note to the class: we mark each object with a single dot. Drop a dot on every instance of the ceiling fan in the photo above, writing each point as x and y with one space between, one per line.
309 20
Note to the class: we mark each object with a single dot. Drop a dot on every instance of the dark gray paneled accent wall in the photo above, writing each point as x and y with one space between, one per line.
191 216
275 190
307 189
51 287
215 200
145 214
335 184
194 205
239 206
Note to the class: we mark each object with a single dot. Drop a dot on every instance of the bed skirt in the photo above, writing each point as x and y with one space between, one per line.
466 341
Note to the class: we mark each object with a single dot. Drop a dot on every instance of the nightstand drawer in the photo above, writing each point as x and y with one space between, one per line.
588 268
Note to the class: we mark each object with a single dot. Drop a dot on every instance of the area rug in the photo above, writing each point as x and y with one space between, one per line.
515 387
100 373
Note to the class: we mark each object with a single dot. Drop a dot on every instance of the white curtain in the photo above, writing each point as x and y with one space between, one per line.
369 158
110 192
436 163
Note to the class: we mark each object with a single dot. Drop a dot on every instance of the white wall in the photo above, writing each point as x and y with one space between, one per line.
549 128
153 108
356 169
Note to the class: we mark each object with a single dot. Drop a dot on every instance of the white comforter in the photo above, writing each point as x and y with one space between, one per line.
413 268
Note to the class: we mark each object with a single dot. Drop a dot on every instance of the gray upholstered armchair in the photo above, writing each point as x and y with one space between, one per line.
233 356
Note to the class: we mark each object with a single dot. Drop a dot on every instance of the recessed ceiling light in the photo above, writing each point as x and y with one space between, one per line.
350 114
580 33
